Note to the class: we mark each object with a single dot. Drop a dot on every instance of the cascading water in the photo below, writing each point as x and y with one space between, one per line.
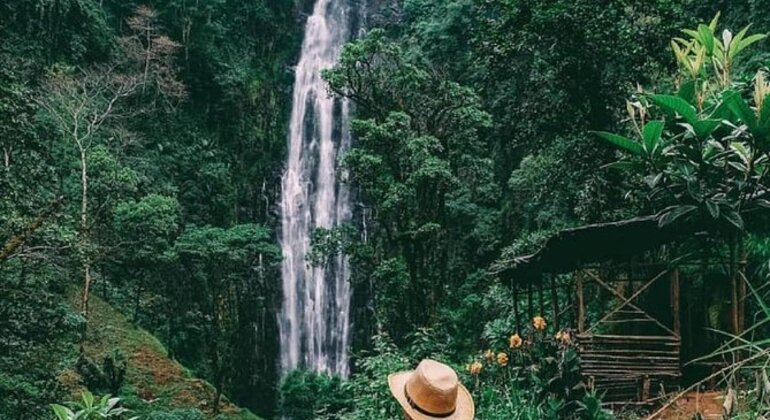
314 320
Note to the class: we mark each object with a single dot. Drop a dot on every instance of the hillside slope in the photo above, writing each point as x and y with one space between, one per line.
154 383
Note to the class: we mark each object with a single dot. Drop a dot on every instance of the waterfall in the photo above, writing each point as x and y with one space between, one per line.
314 321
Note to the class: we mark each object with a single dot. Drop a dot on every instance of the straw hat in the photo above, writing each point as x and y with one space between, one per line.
432 391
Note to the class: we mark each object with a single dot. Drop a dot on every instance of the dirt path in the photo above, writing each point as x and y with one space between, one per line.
707 404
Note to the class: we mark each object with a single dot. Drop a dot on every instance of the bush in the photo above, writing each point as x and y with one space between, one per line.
532 374
308 395
109 377
179 414
91 408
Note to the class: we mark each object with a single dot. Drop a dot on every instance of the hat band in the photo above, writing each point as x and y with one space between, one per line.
422 410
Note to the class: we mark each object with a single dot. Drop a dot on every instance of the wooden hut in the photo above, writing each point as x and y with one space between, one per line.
630 348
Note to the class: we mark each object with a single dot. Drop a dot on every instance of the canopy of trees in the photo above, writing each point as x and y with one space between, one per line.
142 145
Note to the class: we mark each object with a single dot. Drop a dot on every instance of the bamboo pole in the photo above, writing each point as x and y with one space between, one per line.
555 303
529 301
581 319
540 297
516 307
675 301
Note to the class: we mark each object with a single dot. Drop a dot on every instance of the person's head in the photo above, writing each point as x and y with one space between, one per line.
431 392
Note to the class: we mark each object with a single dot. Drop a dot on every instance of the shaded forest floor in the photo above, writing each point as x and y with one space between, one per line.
153 381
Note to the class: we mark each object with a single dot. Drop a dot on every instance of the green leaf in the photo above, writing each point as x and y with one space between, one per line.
740 109
621 165
676 105
721 111
733 217
651 135
687 91
622 142
713 209
706 37
736 42
741 44
704 128
110 403
673 213
693 33
62 412
713 23
742 151
760 300
88 399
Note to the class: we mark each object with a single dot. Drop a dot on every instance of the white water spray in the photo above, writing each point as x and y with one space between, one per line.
314 321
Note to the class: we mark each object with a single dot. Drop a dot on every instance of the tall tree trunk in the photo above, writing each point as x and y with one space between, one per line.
147 53
84 231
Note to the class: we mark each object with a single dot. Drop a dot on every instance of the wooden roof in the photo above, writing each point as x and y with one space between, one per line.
570 248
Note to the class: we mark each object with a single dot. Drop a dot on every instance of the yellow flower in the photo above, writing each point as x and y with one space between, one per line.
475 368
502 359
563 337
515 341
539 323
489 355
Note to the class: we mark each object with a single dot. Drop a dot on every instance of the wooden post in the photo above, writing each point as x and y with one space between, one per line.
530 314
734 304
572 316
540 298
581 318
734 288
516 307
645 389
555 303
675 317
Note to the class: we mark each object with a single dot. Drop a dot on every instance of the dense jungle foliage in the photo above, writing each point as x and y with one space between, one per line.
143 144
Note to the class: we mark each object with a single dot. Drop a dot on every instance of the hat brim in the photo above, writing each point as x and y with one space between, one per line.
465 410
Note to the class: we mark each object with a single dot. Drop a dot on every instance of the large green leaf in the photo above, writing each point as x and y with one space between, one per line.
706 37
733 217
714 21
736 41
721 111
676 105
704 128
741 41
687 91
740 109
622 142
62 412
750 40
651 135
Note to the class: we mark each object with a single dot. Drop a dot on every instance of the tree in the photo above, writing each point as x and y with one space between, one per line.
704 151
427 178
220 269
154 52
147 229
81 105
